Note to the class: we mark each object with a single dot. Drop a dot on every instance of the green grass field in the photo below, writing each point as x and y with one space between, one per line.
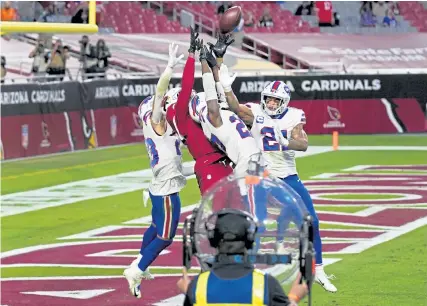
388 273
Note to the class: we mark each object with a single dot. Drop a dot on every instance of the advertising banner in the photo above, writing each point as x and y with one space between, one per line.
56 117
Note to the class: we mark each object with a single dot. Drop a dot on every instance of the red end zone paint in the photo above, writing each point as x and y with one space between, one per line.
151 292
131 231
164 287
77 254
389 217
324 233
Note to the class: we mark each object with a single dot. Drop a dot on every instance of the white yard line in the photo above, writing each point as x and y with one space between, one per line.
77 191
80 277
387 236
6 161
27 265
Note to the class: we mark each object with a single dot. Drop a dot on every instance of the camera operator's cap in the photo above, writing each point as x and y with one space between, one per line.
232 227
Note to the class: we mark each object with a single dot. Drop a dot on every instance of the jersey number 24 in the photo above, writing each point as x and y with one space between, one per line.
269 141
240 127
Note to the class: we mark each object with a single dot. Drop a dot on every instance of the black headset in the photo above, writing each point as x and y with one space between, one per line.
214 236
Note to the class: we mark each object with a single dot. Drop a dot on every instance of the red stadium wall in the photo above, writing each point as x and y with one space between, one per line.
57 117
30 135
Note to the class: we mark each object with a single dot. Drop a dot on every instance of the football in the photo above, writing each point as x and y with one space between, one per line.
230 19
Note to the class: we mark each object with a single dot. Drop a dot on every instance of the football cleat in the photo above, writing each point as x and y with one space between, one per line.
324 280
145 274
134 276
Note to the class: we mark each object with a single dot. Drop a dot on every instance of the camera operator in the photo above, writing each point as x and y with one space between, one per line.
236 281
88 56
3 68
40 61
102 53
57 60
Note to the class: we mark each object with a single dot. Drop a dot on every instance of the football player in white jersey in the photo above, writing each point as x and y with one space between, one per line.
163 147
279 131
221 126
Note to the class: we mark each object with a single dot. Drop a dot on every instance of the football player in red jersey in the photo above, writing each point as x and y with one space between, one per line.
211 163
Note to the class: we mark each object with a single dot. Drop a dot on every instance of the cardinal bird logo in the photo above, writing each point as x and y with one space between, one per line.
335 116
334 113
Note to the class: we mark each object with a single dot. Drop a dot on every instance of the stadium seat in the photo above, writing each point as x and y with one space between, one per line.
280 16
415 13
132 18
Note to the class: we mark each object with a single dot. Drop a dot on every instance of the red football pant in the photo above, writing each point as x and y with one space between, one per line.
211 174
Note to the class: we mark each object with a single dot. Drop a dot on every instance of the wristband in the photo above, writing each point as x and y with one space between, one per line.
209 87
293 297
227 89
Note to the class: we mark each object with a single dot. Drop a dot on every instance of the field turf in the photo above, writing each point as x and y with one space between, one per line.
374 232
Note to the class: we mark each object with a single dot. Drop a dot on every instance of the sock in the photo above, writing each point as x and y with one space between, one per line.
151 251
149 236
317 244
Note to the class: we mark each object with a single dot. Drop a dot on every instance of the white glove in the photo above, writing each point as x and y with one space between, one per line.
225 78
279 137
173 60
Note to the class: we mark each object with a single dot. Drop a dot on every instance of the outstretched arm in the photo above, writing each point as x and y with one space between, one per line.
181 107
208 62
244 112
157 117
219 49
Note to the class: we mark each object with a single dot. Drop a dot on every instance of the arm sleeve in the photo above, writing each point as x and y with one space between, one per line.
185 94
277 296
162 86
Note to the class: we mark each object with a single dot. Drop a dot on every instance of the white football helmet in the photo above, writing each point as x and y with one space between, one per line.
279 90
196 106
145 106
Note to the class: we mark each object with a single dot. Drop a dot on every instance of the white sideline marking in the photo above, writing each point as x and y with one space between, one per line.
357 168
387 236
71 294
403 196
77 191
109 228
6 161
413 205
361 213
92 189
116 253
179 269
55 245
